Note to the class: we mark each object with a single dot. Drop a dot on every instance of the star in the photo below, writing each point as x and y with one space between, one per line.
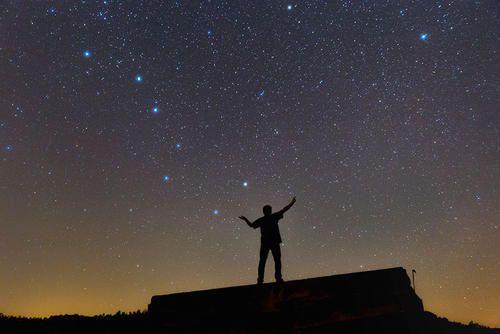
424 36
215 212
245 184
155 110
87 54
138 78
9 148
166 178
289 7
261 93
178 146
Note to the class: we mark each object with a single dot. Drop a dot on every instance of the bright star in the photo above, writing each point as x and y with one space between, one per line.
424 36
216 212
166 178
178 146
245 184
9 148
138 78
210 33
261 93
155 110
87 54
289 7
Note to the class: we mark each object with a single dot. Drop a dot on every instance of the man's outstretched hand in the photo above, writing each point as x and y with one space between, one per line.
249 223
286 208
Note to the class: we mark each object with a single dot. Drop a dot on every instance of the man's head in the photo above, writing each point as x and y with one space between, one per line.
267 209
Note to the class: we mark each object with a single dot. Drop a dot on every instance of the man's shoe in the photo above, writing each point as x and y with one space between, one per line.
280 281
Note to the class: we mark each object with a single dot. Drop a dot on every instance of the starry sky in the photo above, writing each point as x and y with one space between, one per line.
133 134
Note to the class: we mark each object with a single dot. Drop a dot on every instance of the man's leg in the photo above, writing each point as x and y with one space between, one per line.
264 250
276 250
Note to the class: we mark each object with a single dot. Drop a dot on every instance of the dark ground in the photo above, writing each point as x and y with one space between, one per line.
139 322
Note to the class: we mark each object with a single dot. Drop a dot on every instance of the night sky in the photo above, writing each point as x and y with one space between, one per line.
133 134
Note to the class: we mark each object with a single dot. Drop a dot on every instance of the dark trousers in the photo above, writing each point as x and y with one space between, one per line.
264 251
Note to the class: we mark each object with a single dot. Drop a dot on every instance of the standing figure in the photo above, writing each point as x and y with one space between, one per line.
270 239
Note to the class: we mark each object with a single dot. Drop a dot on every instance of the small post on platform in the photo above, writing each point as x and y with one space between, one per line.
413 271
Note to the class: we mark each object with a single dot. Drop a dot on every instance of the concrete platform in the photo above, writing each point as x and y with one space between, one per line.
298 305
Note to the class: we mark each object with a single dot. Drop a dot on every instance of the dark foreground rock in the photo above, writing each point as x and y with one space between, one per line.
300 305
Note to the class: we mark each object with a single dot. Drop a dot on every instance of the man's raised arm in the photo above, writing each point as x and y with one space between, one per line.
286 208
249 223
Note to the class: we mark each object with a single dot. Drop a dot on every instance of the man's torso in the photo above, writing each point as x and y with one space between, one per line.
269 229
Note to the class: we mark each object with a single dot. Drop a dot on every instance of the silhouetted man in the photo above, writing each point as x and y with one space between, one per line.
270 239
